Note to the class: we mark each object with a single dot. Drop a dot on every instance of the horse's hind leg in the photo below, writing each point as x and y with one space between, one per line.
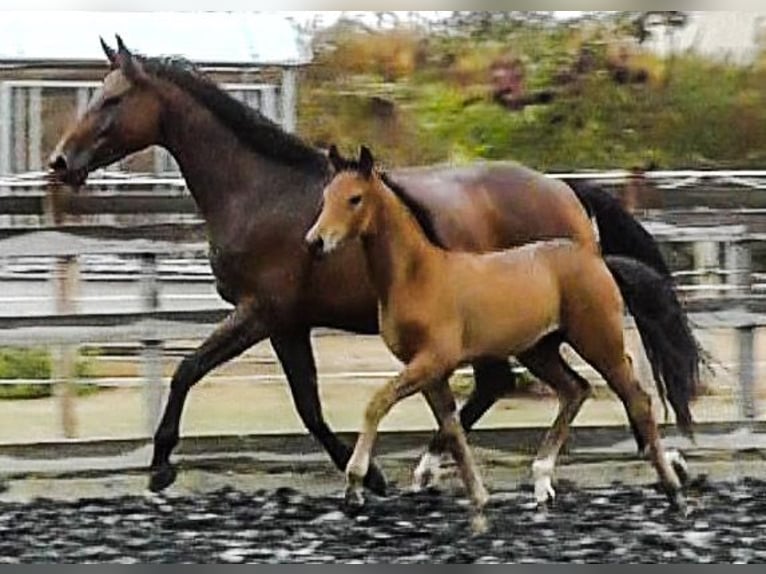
492 378
297 359
442 403
545 362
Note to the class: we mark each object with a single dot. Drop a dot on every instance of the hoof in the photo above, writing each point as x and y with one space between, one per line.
375 481
679 465
354 498
678 504
162 477
479 524
544 493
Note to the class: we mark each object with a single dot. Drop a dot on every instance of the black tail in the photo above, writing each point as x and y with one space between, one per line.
665 334
634 258
619 232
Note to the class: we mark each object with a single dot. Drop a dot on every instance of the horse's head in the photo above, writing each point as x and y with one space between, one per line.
123 117
347 206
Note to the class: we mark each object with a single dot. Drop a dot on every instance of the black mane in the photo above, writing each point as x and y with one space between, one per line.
421 215
418 211
250 126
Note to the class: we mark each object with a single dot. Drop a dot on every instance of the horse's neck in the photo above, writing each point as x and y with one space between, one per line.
397 250
226 177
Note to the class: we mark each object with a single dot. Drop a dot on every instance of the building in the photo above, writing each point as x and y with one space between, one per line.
52 62
737 37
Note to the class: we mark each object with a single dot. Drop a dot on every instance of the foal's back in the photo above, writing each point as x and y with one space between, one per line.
509 300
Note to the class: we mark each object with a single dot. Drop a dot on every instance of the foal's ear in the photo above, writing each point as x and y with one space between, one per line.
128 63
111 54
366 162
337 162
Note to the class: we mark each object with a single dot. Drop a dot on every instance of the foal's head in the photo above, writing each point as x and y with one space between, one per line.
348 202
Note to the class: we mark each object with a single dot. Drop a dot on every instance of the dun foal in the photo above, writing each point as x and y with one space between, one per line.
439 310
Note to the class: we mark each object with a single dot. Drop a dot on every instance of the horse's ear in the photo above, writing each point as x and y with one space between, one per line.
337 162
128 63
366 161
110 53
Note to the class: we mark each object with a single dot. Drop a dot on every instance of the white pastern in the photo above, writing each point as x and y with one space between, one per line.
430 470
542 472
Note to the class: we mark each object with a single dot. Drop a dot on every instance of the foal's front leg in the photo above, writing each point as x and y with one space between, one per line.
416 376
442 403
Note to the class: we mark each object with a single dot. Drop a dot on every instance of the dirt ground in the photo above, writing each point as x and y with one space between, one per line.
250 395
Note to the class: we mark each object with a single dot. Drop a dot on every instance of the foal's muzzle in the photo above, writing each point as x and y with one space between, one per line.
316 247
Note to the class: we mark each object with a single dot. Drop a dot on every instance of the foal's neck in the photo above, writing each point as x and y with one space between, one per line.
397 250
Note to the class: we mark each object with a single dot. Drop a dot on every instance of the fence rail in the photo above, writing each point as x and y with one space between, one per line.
721 288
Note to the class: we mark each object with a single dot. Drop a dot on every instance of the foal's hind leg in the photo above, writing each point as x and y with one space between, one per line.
616 368
492 379
545 362
442 403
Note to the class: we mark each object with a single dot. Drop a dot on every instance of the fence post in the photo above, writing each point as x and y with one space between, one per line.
746 336
67 285
289 98
705 260
6 111
151 352
737 263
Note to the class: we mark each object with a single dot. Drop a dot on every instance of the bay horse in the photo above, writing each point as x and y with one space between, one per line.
441 309
258 187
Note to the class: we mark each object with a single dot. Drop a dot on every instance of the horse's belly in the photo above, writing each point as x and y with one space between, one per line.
509 335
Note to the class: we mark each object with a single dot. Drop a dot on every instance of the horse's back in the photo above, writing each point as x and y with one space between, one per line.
496 205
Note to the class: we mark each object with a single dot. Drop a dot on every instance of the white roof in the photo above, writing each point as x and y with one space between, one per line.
214 38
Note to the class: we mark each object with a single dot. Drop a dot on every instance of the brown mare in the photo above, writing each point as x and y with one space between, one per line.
258 189
440 309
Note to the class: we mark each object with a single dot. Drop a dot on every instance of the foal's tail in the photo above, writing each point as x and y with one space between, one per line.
668 341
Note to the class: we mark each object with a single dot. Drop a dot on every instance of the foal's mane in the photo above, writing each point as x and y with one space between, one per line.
250 126
423 218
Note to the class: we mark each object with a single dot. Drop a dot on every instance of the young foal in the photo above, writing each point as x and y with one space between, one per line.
439 310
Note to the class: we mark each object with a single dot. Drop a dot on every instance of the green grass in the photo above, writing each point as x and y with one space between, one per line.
26 364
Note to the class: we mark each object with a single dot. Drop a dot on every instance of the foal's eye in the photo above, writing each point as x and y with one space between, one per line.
354 200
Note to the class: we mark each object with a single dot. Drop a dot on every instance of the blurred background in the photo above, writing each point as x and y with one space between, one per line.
665 109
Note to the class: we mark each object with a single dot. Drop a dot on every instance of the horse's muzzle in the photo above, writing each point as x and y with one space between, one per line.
62 170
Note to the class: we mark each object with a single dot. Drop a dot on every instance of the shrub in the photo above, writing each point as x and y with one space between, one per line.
37 364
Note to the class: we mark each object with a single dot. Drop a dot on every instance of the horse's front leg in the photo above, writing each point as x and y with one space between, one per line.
297 359
419 373
493 379
240 330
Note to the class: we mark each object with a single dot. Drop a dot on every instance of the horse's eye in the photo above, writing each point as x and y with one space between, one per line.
111 101
354 200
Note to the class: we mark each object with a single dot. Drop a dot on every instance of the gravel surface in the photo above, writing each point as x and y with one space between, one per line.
615 524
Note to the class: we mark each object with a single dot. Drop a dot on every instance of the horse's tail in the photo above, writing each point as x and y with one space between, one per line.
666 336
619 232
